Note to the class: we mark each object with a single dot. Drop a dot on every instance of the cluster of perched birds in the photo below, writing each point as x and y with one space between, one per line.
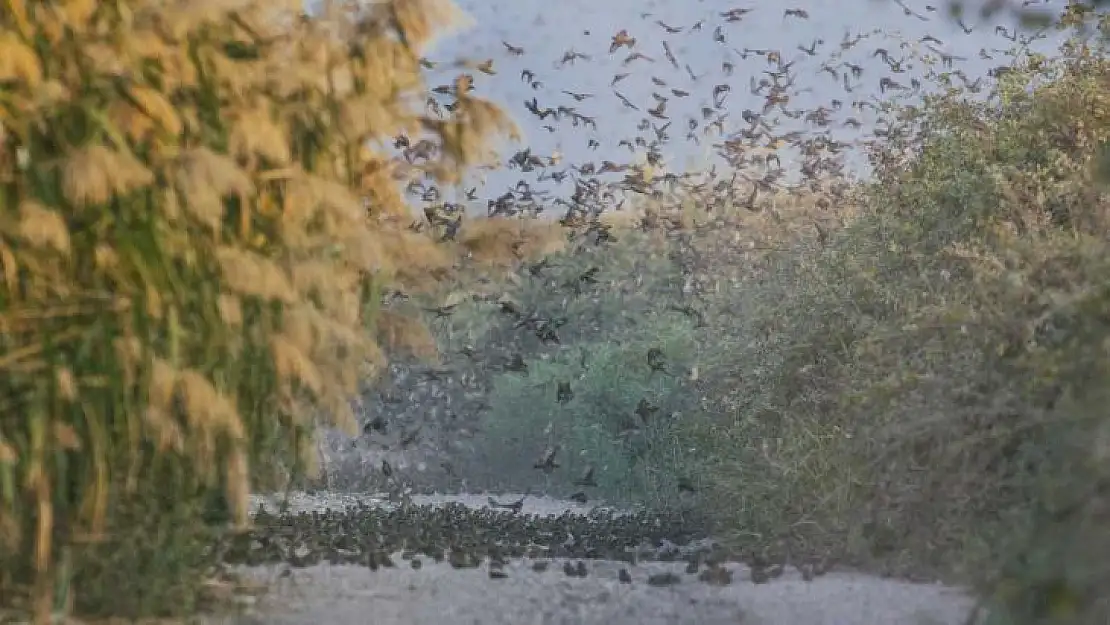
467 538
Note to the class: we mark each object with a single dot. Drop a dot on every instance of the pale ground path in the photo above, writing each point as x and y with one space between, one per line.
437 594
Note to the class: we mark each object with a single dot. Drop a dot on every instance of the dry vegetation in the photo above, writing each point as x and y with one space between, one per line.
196 228
928 395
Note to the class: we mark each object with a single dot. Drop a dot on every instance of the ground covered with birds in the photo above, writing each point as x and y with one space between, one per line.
540 560
303 319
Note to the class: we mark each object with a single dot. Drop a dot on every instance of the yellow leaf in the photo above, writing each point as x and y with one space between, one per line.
18 61
157 107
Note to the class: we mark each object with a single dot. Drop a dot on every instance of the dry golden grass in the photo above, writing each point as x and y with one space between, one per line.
199 217
401 332
501 240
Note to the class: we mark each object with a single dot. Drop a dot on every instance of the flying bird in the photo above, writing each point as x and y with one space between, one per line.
547 462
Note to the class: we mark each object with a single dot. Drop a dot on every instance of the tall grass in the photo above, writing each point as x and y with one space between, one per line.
197 217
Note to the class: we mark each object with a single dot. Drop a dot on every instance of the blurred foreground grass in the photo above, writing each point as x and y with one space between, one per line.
197 220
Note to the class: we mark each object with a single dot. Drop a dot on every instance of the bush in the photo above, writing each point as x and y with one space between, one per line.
605 301
194 232
923 392
622 419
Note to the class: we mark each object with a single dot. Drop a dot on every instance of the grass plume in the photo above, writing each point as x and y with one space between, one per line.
193 243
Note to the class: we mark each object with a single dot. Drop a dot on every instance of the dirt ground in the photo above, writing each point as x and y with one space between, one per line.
437 594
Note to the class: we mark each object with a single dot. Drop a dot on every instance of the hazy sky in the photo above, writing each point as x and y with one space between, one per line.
548 30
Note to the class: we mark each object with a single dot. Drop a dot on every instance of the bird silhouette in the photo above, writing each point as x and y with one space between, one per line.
547 462
514 506
564 393
621 40
646 410
672 30
588 478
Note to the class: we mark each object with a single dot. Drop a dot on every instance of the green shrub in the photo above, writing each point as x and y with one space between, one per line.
608 323
929 399
637 456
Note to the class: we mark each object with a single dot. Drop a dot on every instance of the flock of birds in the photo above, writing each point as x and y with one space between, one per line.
467 538
778 146
544 329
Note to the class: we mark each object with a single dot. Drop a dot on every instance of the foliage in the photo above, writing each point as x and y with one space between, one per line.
198 213
929 397
636 455
663 278
1033 18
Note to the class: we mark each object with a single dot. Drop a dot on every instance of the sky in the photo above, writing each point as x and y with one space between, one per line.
714 54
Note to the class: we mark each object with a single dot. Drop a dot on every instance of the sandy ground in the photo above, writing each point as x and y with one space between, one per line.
437 594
